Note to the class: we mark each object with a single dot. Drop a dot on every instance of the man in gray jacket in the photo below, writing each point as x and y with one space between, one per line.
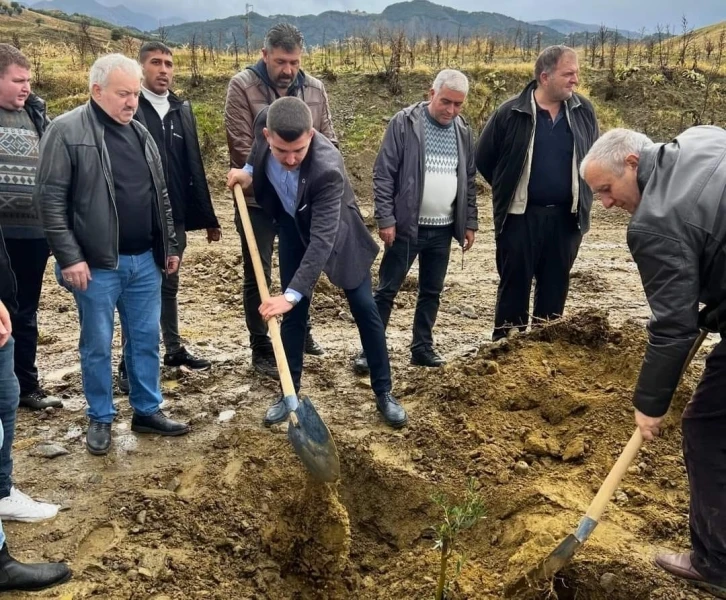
105 210
676 194
425 193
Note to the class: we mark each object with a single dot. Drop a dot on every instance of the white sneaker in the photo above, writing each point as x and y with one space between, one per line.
21 507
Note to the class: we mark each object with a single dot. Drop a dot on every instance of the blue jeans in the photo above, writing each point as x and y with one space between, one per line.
134 288
9 394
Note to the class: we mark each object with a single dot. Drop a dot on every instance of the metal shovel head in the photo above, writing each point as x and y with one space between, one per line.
313 443
537 578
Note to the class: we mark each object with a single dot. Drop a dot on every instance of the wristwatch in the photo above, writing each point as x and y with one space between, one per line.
290 297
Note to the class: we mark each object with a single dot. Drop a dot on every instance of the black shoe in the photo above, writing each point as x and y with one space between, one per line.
392 412
312 347
360 364
182 358
264 363
158 423
277 413
15 575
98 438
38 399
427 358
123 378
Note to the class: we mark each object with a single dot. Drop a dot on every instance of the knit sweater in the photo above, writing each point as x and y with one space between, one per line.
19 142
440 176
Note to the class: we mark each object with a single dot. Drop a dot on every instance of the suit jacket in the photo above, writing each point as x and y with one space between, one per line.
328 220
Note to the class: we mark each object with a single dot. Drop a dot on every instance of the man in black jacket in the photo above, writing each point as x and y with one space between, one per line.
22 124
301 183
529 152
676 194
106 213
172 124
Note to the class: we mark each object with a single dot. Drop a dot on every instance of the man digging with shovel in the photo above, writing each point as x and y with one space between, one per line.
676 194
300 181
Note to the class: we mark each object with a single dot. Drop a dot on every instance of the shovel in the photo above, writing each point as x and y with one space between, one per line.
306 431
561 555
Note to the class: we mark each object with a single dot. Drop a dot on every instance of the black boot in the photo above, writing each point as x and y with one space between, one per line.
158 423
427 358
277 413
182 358
98 438
15 575
312 347
123 378
360 364
392 412
263 361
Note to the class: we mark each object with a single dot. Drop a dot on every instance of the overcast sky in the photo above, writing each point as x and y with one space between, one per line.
624 14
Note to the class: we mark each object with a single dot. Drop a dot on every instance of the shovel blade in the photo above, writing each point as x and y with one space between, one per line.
538 577
313 443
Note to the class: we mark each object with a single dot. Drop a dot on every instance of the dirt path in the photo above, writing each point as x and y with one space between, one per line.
226 512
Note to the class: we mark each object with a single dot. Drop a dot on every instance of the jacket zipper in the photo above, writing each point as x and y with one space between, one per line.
514 193
104 152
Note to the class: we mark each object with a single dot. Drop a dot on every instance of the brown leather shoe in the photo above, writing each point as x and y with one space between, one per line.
680 566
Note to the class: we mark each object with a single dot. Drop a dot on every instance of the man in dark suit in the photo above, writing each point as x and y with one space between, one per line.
302 184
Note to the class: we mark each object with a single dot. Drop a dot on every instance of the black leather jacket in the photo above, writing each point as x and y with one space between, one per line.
75 196
677 236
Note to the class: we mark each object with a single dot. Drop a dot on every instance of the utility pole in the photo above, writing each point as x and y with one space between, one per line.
248 8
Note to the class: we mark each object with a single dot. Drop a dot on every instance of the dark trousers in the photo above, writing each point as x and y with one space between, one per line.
169 299
704 450
28 258
9 396
432 247
265 233
541 244
362 307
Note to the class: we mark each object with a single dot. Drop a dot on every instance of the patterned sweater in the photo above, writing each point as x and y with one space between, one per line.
19 142
440 176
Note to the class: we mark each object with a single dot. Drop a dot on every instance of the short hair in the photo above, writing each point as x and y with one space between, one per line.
549 57
10 55
289 117
285 36
104 66
455 80
613 148
149 47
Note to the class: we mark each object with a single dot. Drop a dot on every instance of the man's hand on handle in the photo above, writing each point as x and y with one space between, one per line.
649 426
238 176
172 264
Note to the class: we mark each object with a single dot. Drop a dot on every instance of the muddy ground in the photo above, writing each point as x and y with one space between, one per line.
227 512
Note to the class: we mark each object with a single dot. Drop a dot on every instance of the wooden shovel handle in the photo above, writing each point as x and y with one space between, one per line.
288 387
612 481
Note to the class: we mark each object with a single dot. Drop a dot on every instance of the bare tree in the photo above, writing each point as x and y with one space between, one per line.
708 47
687 36
603 35
593 50
235 49
196 76
163 33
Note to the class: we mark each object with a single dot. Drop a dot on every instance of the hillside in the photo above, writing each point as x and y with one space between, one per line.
32 27
568 27
416 18
117 15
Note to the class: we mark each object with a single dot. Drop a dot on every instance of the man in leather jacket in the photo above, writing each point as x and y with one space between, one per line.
102 198
676 194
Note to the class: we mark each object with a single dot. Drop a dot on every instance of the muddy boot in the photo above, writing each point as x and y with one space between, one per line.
360 364
263 361
98 438
680 566
312 347
182 358
39 399
392 412
123 378
427 358
15 575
